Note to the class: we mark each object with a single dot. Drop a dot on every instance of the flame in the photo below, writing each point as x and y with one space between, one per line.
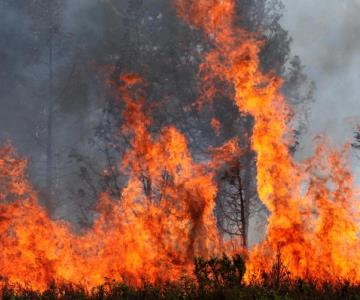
313 223
216 125
163 219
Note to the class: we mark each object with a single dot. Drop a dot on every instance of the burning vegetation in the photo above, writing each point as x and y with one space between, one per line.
163 221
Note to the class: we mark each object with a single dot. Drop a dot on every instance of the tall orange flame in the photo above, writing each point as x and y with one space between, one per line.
164 216
313 221
162 221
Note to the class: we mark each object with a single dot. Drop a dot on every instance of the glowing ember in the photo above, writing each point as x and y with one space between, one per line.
216 125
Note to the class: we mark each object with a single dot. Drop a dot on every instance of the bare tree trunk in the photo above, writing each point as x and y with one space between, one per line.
243 204
49 140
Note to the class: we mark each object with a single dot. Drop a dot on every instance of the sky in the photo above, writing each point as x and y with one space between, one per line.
326 36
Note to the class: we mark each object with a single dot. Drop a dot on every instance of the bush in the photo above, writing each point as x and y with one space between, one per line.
219 273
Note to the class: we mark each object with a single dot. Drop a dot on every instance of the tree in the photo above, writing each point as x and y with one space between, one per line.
27 34
356 143
169 60
47 15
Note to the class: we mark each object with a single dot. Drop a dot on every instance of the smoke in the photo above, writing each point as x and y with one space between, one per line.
24 85
325 36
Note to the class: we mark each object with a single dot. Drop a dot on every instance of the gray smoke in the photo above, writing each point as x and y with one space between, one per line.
326 37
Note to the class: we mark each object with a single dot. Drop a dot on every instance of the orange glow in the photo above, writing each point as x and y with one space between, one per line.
162 221
216 125
313 223
164 217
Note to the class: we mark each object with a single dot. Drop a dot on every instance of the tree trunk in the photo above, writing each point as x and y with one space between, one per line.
49 140
243 215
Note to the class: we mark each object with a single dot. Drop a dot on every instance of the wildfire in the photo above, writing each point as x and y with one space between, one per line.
164 217
163 220
313 223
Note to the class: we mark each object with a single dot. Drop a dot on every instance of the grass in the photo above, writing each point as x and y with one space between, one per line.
216 278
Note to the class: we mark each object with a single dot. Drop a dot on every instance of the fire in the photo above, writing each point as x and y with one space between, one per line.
164 217
313 223
216 125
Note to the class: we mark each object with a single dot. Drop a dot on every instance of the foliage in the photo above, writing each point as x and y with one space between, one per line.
356 144
219 273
